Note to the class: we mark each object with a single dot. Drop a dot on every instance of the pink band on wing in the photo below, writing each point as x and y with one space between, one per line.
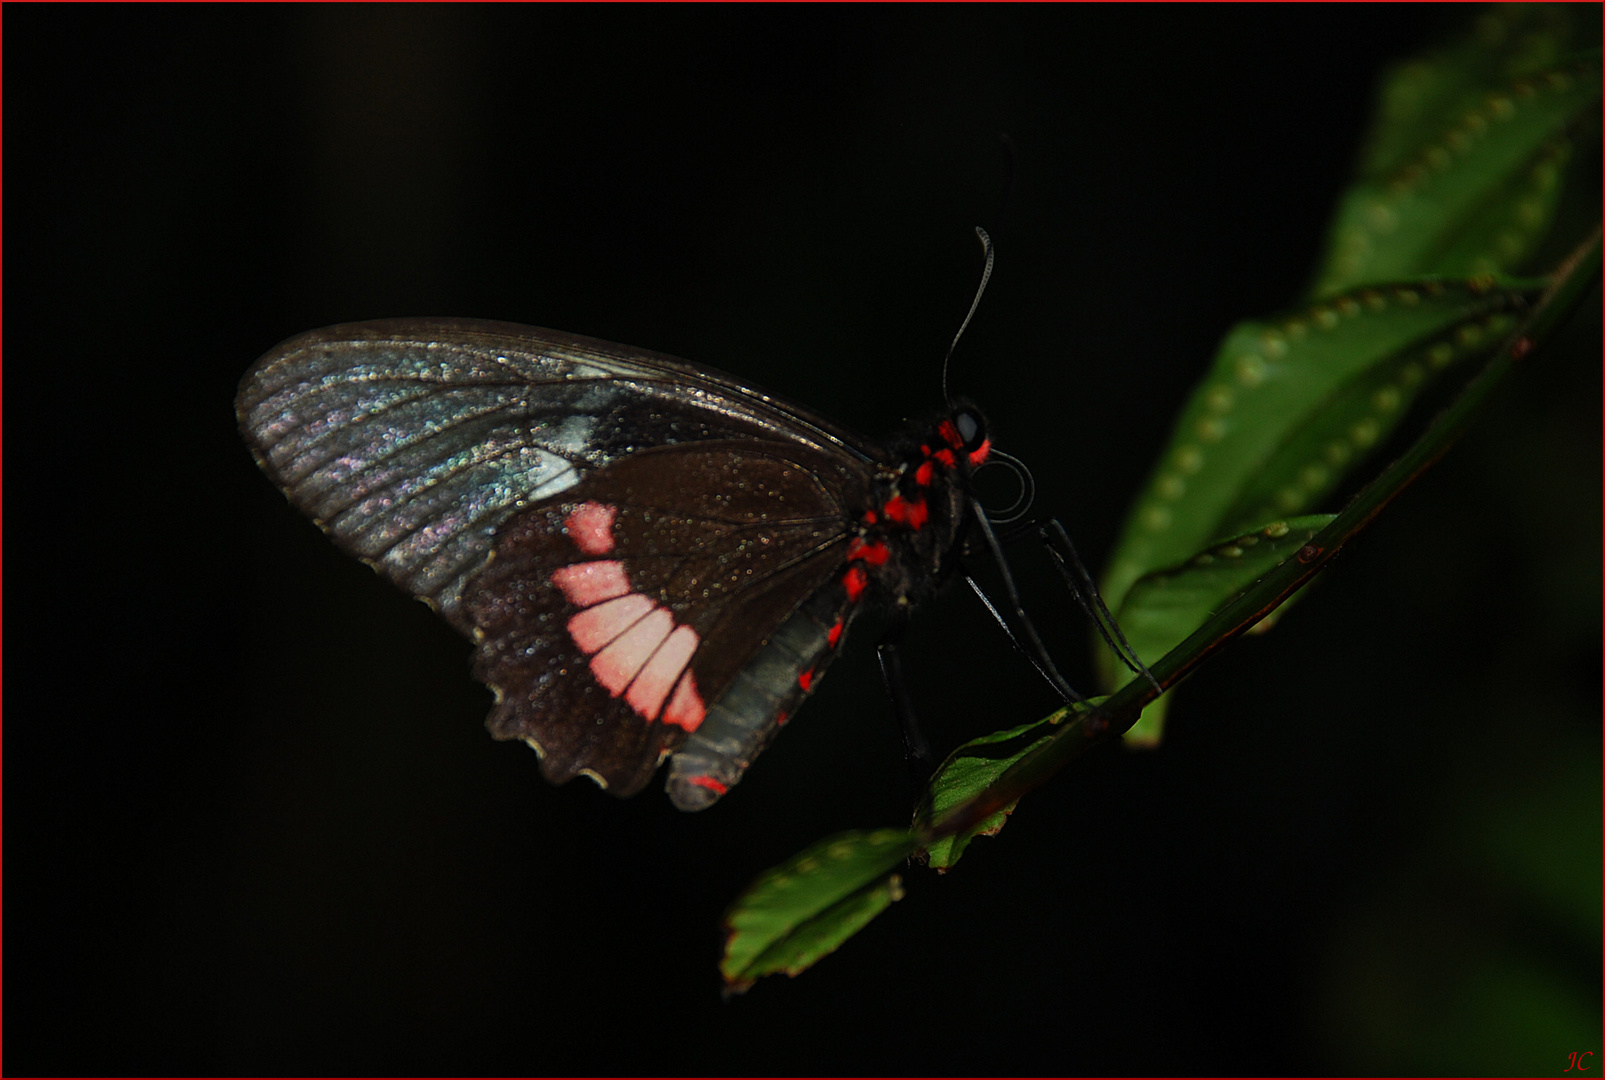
590 526
589 583
651 687
594 627
685 708
616 666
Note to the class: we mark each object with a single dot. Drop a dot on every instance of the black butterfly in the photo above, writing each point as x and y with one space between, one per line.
651 558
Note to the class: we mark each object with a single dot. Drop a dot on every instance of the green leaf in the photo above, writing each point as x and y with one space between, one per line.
1290 408
1461 178
1359 412
1475 196
1281 394
802 910
1575 278
1293 404
1420 96
1164 607
965 773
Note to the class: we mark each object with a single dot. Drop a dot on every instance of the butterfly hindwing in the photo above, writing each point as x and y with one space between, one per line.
412 441
611 620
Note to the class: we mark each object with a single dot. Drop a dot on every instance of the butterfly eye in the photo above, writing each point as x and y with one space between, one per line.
971 428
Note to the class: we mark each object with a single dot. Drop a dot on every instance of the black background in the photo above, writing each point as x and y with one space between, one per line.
253 823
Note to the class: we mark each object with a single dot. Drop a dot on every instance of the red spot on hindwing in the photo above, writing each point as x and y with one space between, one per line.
710 783
835 634
923 474
806 680
590 526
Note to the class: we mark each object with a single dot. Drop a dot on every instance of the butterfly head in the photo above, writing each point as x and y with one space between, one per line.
965 434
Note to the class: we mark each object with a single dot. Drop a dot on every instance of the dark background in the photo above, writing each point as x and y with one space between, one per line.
252 820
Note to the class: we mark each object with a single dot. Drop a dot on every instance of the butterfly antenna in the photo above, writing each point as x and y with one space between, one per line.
986 275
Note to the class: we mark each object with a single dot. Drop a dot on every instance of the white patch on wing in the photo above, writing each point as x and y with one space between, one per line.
572 435
579 369
551 474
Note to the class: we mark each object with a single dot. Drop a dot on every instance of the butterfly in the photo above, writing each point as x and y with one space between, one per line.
653 560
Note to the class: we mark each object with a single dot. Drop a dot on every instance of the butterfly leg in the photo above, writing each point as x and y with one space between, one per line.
1051 534
1029 641
1081 586
916 751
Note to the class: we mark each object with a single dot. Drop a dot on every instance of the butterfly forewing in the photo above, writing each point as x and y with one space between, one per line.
412 441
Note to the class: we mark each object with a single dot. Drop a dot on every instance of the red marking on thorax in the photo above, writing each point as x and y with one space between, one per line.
873 552
950 434
855 581
923 474
911 512
945 457
590 526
